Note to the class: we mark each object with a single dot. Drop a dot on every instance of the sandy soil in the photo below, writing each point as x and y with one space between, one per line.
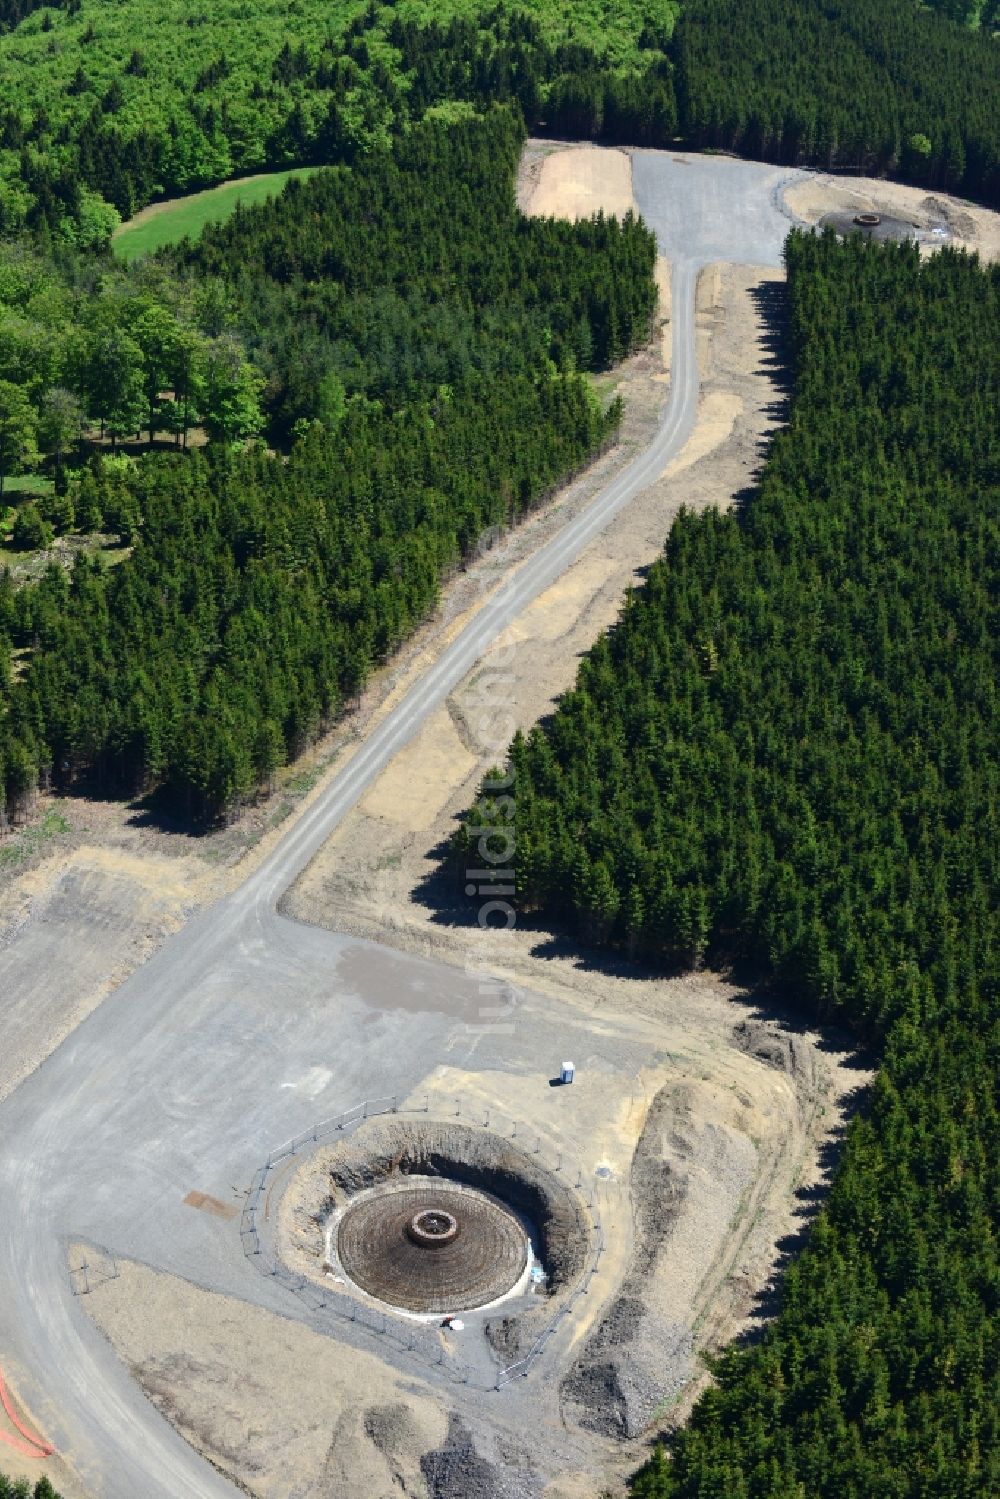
276 1406
970 226
70 930
572 182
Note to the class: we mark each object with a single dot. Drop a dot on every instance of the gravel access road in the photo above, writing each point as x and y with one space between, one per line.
247 1027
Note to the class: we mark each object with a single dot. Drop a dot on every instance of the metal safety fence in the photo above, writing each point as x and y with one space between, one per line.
96 1267
409 1337
523 1367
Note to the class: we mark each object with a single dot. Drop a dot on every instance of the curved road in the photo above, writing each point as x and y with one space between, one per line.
244 1027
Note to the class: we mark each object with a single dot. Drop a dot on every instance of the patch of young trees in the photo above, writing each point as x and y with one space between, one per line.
785 755
260 592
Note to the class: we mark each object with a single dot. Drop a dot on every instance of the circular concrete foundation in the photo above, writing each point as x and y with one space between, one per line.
873 225
429 1245
430 1216
432 1228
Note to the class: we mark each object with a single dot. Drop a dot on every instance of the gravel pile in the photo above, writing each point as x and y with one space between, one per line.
458 1469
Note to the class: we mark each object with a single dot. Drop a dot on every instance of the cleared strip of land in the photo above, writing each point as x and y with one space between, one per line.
281 1024
184 218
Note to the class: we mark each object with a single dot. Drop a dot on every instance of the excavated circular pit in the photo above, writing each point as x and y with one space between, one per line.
432 1246
872 225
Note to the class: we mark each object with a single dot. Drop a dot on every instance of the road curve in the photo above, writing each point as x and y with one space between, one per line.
83 1397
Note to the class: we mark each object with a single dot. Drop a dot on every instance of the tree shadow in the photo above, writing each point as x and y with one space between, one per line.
770 299
810 1201
155 810
144 810
455 900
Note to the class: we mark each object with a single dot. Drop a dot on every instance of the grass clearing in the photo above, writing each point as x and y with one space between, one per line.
28 841
26 484
168 223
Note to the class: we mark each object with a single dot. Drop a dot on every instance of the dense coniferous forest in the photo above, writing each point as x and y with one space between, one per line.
95 125
785 754
460 287
869 85
427 339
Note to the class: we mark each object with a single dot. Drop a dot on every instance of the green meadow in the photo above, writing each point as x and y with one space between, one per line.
184 218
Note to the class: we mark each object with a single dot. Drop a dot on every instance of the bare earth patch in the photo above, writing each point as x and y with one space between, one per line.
573 182
969 226
417 785
278 1407
70 930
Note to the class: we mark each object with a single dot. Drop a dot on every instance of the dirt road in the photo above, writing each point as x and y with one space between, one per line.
176 1080
246 1026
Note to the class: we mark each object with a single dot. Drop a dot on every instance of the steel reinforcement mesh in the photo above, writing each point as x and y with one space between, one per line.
478 1263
